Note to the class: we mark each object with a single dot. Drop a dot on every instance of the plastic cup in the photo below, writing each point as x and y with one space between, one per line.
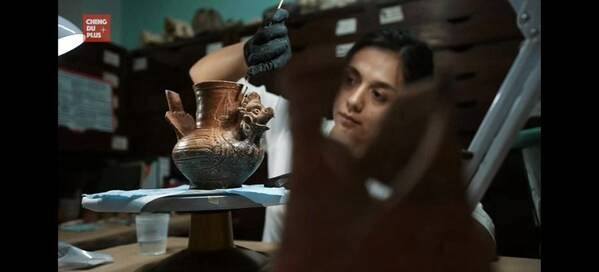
152 232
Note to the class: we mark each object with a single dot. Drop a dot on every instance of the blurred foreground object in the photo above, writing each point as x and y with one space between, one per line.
425 225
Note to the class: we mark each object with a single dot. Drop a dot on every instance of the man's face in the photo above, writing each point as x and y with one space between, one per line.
371 83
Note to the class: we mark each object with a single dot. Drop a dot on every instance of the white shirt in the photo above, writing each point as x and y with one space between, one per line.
279 146
278 137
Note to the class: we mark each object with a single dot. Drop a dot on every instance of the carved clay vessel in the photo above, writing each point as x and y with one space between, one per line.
224 145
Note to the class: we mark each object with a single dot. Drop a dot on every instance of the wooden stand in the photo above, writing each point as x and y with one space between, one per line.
211 231
210 248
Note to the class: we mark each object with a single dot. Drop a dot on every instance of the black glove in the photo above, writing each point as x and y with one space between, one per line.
269 49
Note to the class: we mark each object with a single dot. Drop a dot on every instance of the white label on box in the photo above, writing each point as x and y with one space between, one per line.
244 39
111 58
389 15
140 64
346 26
111 78
120 143
211 47
342 49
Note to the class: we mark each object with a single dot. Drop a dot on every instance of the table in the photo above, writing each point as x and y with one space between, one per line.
210 246
112 234
127 258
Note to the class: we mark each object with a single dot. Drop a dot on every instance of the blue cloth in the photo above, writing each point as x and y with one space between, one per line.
135 194
133 201
261 194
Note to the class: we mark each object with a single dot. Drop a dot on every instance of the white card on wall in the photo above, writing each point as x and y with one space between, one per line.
140 64
111 58
211 47
390 15
84 102
346 26
342 49
120 143
111 78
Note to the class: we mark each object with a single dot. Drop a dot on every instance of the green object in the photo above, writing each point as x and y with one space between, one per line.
527 138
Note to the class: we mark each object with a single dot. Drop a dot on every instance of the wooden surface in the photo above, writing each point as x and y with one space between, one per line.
127 258
513 264
266 248
116 234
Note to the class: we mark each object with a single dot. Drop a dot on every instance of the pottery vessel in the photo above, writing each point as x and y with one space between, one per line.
224 145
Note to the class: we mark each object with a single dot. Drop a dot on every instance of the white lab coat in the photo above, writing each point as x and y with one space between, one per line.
279 146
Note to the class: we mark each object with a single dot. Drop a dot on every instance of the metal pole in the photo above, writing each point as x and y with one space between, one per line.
511 107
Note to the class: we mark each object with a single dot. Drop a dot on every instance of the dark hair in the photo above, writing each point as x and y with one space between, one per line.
416 56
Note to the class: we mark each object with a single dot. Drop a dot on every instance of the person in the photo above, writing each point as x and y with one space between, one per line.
379 68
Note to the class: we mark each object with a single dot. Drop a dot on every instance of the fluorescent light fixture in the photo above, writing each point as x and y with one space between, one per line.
69 36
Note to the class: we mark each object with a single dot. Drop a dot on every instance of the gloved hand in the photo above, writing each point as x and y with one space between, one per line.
269 49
